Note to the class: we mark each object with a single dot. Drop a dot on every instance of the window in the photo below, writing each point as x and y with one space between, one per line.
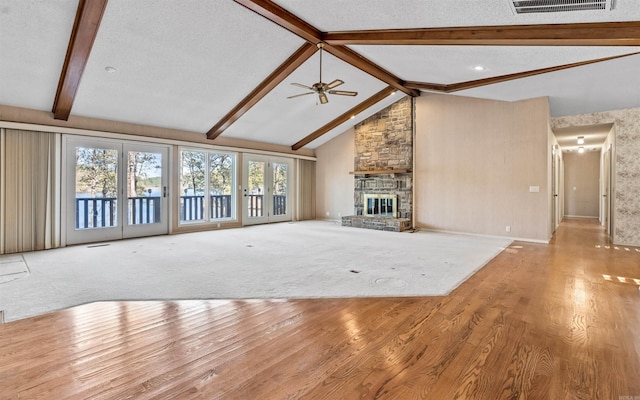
207 180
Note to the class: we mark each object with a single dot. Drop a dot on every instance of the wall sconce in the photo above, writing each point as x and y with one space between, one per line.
580 139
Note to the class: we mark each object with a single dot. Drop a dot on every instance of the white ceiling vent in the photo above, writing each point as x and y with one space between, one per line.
550 6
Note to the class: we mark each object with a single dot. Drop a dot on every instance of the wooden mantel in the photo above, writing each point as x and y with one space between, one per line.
382 172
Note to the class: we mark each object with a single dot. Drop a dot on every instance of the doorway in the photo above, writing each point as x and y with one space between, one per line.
266 189
115 189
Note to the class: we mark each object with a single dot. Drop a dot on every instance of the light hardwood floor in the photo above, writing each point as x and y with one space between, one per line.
540 321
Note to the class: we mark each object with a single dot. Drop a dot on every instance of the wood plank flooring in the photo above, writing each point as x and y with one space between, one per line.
557 321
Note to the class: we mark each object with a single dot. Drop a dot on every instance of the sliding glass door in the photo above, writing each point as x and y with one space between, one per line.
114 190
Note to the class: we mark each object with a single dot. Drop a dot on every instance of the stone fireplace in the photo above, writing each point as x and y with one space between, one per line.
383 180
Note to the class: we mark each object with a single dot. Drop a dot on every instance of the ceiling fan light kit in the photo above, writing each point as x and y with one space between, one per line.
321 88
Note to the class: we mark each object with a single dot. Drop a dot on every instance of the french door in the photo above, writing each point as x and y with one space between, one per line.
266 189
115 190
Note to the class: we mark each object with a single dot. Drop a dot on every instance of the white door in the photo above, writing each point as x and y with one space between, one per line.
114 190
555 189
606 192
266 189
145 179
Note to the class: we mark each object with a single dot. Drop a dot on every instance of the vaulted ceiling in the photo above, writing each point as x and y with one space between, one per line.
225 68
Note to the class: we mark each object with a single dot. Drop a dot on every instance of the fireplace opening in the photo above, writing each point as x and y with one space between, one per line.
380 205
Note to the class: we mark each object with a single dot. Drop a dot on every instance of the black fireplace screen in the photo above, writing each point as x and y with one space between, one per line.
380 207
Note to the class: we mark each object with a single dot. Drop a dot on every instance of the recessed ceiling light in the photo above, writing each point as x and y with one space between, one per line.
479 68
580 149
580 139
110 70
353 116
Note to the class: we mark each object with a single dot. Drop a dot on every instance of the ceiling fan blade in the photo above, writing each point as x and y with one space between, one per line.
298 95
302 86
323 98
343 92
335 83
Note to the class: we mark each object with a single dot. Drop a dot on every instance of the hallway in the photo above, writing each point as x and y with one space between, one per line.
557 321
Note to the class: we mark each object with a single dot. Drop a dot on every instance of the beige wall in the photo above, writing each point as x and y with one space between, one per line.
475 162
581 177
334 184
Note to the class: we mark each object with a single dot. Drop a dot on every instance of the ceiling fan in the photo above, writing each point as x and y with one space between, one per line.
321 88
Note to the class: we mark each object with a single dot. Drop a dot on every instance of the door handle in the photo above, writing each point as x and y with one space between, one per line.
164 191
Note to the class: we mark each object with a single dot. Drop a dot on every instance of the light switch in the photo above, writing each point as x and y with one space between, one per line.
534 189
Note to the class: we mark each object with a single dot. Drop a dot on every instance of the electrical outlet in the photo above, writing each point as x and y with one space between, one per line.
327 213
508 228
339 215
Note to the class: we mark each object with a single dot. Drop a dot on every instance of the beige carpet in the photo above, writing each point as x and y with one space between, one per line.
308 259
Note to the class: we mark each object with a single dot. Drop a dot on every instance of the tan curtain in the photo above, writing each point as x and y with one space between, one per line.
29 204
306 190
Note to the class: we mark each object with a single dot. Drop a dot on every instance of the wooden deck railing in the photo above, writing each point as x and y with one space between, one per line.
101 212
192 207
98 212
255 205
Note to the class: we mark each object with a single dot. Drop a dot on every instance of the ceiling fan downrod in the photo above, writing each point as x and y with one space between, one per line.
322 89
320 46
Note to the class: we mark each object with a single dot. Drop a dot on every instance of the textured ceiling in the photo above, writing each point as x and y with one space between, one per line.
32 50
180 64
340 15
453 64
612 85
186 64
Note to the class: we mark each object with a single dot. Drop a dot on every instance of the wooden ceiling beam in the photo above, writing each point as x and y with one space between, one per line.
83 34
346 54
284 18
434 87
504 78
292 23
371 101
584 34
427 86
267 85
